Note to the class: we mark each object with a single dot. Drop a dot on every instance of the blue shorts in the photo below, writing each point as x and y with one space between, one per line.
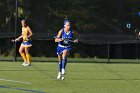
28 43
60 49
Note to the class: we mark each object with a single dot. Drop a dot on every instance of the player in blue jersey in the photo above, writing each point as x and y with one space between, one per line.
64 47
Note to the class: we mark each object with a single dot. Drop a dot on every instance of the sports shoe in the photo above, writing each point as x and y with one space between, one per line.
27 64
59 75
24 63
62 78
63 71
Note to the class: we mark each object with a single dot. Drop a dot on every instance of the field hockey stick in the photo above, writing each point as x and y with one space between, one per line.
65 39
14 40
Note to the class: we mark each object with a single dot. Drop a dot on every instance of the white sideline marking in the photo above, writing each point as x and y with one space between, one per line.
15 81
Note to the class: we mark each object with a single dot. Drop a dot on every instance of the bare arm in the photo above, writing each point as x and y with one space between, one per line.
76 34
17 39
58 36
30 32
139 34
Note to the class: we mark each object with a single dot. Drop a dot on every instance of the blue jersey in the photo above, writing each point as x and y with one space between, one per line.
68 36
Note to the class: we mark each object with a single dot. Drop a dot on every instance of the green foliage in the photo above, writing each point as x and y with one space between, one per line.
86 13
11 52
88 16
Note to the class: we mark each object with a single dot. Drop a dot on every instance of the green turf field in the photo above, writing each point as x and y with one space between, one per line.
80 78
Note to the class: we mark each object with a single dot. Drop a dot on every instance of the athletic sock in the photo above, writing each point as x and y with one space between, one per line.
28 58
63 63
23 57
59 66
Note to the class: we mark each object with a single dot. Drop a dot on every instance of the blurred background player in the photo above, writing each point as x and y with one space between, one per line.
26 44
64 47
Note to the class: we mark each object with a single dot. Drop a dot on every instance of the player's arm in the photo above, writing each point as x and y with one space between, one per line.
30 32
17 39
75 33
139 34
58 39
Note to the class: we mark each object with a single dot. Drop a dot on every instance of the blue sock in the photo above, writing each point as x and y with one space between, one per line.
64 61
59 66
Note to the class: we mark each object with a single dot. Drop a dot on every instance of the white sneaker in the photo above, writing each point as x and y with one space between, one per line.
27 64
63 71
62 78
24 63
59 75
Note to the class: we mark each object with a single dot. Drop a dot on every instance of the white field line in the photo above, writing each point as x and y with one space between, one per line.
15 81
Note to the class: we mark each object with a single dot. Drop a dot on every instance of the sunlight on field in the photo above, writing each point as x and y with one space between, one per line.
80 78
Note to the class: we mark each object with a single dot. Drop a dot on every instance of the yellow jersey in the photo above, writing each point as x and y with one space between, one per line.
25 32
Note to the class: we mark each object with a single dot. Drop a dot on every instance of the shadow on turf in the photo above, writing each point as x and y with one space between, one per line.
105 62
21 89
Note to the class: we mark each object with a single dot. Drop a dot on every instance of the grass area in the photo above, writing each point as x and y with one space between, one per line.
80 78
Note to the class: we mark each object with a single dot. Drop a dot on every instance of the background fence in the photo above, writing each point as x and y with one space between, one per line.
108 29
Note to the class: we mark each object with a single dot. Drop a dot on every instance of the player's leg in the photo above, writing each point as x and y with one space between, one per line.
21 51
64 60
28 56
59 66
59 63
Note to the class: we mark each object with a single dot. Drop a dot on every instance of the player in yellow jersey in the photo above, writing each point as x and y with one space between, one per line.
26 44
